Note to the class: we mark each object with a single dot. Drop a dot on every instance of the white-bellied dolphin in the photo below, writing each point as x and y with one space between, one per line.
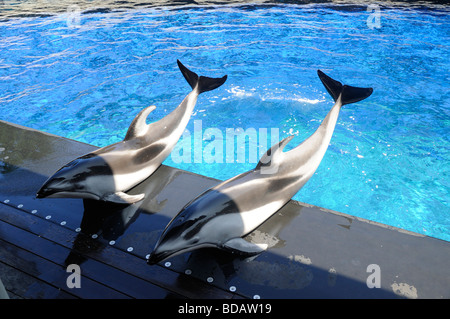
107 173
222 215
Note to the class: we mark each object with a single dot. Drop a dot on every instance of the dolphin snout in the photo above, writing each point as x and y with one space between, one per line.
40 194
156 258
44 192
51 187
161 253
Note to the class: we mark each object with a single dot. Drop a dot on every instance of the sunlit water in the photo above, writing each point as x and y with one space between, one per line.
86 76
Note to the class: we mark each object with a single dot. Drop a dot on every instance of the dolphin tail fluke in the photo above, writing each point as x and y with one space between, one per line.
204 83
348 94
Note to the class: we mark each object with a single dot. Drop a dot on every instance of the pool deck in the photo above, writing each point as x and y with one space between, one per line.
313 252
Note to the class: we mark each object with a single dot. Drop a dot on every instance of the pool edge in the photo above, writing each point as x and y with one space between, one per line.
384 242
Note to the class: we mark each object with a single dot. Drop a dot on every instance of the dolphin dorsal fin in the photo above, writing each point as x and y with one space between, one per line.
275 151
139 126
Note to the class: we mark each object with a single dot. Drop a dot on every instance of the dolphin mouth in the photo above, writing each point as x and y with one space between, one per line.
157 257
45 192
48 192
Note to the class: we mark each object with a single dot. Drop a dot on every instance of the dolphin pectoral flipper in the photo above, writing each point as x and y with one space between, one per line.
349 94
122 198
243 247
204 83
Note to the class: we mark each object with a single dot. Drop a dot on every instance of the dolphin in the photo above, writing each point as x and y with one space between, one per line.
107 173
223 214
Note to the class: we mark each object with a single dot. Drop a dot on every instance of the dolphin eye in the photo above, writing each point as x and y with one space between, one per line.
195 240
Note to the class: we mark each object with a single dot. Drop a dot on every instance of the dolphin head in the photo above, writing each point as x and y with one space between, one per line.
76 179
180 236
53 186
64 184
208 221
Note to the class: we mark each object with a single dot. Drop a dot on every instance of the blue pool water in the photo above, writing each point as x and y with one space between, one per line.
86 76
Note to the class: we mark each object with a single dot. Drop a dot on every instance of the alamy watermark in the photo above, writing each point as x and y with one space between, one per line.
73 18
374 18
73 15
374 279
74 279
232 145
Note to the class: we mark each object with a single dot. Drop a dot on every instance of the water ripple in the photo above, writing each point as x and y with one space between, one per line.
389 156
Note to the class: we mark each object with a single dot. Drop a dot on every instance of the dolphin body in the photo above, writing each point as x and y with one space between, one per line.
222 215
107 173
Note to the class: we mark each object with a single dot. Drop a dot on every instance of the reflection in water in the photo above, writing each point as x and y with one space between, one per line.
110 221
222 267
100 218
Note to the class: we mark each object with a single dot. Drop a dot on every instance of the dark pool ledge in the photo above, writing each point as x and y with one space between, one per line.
313 252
